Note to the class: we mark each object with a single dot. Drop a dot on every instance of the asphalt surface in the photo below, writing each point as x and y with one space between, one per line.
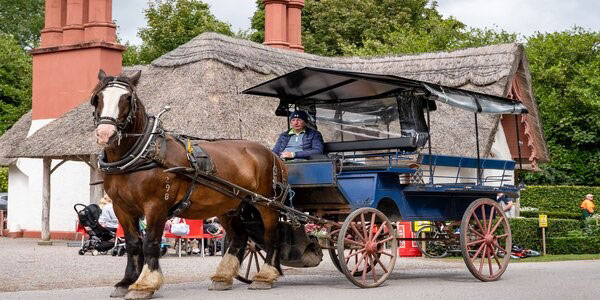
28 271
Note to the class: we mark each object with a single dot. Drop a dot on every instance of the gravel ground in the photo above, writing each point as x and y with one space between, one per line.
24 265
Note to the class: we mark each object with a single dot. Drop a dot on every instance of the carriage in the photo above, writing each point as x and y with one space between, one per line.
378 168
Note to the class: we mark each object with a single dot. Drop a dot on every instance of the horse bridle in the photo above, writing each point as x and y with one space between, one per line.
115 82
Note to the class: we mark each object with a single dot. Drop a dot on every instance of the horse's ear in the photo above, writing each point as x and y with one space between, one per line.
136 77
101 75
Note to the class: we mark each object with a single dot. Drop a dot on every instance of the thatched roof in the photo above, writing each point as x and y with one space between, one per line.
12 137
202 79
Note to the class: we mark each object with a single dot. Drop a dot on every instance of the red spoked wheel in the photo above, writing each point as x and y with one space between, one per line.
367 241
254 258
484 233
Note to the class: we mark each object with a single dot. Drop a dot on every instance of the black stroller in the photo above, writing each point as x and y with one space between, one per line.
101 239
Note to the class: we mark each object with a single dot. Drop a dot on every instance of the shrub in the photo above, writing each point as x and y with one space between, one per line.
573 245
3 179
556 198
526 231
551 214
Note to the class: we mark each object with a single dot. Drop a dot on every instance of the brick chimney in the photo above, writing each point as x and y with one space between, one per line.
78 39
283 24
294 25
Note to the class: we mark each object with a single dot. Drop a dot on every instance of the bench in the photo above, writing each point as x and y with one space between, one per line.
466 162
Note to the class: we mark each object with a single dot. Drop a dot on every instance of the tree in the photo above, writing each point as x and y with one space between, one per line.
565 69
23 19
172 23
15 81
376 27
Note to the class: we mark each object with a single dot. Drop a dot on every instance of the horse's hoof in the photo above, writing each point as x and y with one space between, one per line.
219 286
133 294
119 292
260 285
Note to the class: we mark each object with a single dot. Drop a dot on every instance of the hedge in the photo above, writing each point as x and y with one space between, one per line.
573 245
556 198
551 214
4 179
526 231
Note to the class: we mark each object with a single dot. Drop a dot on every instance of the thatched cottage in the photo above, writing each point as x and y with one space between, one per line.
202 80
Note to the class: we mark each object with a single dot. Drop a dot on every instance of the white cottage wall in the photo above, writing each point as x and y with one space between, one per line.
69 185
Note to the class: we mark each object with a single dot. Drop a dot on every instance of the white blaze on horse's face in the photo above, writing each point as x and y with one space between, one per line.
110 108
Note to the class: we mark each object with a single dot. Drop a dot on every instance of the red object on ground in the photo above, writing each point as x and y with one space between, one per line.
406 248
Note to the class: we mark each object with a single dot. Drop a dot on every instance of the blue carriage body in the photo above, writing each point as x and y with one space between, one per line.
324 184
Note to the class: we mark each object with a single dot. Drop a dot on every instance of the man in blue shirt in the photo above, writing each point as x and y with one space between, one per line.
300 142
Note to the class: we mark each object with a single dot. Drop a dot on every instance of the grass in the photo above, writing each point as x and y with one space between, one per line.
559 257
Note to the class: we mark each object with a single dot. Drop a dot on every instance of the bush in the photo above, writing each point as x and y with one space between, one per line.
551 214
526 231
556 198
3 179
573 245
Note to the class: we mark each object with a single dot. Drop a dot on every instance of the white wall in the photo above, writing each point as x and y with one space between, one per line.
69 185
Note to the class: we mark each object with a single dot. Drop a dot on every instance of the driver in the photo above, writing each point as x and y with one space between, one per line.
300 142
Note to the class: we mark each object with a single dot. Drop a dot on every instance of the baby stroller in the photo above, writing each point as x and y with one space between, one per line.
101 239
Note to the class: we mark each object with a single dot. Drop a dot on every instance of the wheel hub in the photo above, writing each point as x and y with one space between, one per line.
371 247
489 239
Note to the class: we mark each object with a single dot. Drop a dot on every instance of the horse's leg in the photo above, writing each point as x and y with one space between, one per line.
269 272
151 277
135 257
230 263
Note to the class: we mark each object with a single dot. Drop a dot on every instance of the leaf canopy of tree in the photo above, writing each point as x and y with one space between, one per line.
377 27
23 19
15 81
565 69
172 23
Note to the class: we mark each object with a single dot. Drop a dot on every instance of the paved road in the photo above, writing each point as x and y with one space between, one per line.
556 280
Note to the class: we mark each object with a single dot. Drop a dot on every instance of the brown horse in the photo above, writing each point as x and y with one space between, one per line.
137 152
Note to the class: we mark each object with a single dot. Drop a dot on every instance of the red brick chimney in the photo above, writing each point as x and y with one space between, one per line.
283 24
78 39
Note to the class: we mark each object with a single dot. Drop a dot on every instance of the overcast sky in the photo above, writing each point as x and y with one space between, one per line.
524 17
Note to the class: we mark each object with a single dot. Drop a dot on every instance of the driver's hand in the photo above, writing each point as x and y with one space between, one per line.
287 155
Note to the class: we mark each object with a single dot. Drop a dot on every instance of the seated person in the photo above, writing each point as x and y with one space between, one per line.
108 219
300 142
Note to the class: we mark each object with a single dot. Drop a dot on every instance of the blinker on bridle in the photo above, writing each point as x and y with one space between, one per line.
110 120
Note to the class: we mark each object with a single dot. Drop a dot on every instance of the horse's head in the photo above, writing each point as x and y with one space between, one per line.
114 99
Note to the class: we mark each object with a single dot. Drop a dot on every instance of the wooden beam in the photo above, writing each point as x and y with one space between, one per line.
57 165
47 163
97 190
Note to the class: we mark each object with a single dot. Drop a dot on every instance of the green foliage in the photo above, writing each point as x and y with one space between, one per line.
15 81
4 180
526 231
565 69
573 245
172 23
376 27
556 198
551 214
23 19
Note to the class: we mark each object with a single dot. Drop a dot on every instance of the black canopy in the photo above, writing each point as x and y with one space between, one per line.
325 86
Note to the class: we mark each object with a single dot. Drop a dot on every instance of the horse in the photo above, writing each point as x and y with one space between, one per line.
136 157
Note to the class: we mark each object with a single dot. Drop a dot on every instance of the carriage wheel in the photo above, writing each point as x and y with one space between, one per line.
485 232
254 258
331 242
362 246
432 249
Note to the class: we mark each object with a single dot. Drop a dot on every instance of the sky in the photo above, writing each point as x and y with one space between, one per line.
524 17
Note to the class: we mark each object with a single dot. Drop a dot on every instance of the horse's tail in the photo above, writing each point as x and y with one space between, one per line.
280 179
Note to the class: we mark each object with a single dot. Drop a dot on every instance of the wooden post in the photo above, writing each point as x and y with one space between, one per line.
544 240
46 162
97 190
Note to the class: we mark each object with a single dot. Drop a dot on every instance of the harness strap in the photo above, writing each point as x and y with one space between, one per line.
182 205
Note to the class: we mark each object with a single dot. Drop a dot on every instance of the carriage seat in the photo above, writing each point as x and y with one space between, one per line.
408 144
